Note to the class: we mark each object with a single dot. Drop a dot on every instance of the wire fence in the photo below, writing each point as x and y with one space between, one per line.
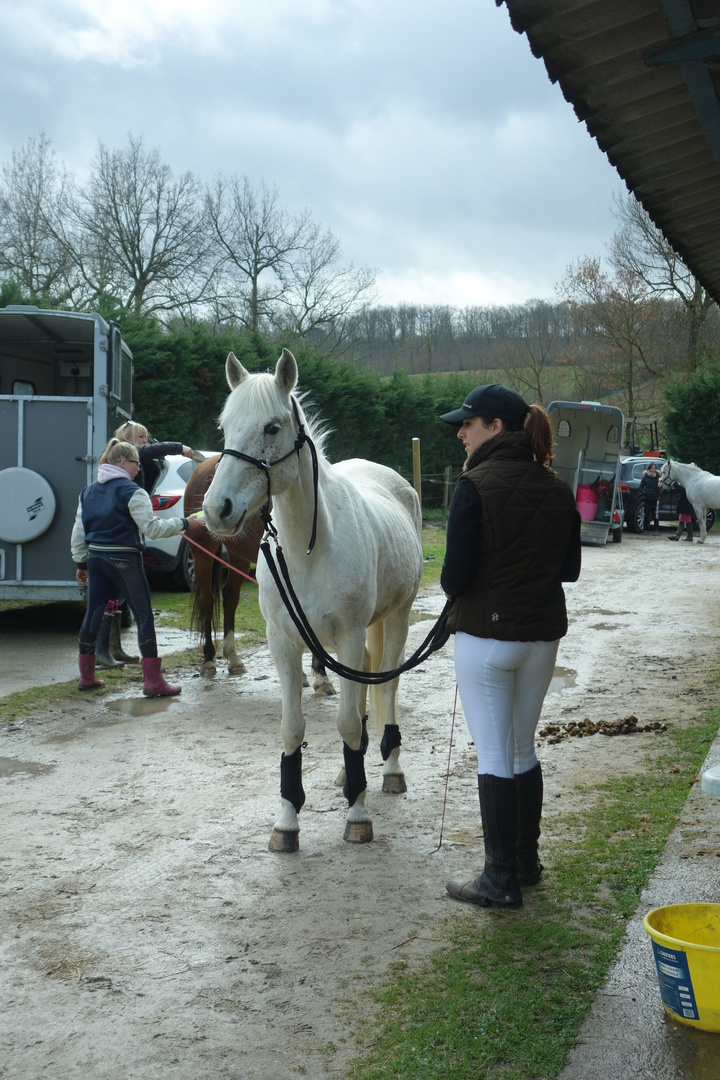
437 489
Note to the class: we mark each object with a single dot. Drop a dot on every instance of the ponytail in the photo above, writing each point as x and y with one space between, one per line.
116 450
539 433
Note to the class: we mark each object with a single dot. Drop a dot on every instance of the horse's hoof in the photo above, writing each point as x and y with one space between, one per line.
358 832
325 689
394 784
208 670
237 669
284 841
340 778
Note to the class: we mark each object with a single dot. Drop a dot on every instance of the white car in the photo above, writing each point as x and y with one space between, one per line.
172 556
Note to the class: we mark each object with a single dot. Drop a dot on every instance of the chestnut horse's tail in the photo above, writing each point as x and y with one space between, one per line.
206 594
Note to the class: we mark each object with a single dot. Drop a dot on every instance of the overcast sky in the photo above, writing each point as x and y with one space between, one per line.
425 135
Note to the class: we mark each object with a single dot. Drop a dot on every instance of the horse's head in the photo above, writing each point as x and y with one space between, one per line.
666 476
261 423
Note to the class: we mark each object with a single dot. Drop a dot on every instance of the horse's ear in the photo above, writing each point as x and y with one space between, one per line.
234 371
286 372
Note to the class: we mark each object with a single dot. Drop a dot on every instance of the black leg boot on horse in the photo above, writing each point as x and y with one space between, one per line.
103 655
498 884
529 793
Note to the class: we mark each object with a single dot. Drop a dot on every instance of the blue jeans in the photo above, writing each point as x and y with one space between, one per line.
110 574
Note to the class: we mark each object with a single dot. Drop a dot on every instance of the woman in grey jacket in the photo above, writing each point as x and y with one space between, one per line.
513 536
112 516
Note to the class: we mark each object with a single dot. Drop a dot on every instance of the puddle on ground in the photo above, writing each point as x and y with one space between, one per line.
123 708
139 706
605 626
604 611
421 616
563 678
9 766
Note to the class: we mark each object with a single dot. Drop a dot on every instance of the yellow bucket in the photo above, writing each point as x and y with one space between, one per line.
686 946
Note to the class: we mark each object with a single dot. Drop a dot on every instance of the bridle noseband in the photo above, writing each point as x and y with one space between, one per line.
302 438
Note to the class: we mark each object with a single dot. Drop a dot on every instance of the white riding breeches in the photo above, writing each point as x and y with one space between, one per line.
502 687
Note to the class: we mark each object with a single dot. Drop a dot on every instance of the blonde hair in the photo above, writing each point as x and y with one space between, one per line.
116 450
131 432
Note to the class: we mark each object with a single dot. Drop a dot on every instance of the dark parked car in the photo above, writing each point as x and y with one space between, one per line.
631 471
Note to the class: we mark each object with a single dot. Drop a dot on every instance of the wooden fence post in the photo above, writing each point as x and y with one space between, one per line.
446 494
417 475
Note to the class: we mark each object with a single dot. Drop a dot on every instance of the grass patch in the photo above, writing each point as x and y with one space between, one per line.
433 543
506 999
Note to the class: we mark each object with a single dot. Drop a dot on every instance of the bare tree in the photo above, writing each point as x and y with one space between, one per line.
255 239
31 189
529 354
137 232
320 298
639 248
615 319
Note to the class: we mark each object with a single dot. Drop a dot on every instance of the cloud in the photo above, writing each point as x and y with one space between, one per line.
126 33
428 138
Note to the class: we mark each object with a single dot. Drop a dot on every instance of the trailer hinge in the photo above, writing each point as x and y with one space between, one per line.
103 345
103 390
89 459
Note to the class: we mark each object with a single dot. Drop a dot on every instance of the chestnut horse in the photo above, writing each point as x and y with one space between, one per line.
241 552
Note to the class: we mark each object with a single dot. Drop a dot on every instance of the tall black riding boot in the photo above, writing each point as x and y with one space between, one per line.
689 531
102 646
529 792
678 534
498 884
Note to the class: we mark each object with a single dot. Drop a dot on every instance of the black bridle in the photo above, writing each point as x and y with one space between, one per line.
300 441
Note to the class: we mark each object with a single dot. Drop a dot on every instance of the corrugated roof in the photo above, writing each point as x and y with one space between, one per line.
644 76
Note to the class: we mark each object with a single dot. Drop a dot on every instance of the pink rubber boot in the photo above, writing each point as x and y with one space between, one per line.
155 685
87 673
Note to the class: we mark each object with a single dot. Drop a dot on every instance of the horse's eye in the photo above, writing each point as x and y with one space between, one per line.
272 428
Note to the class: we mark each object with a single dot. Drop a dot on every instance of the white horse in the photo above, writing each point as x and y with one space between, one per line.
702 489
356 586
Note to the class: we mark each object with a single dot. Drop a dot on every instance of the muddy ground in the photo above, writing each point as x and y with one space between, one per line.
147 932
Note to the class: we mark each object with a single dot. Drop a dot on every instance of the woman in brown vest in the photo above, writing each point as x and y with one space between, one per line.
513 537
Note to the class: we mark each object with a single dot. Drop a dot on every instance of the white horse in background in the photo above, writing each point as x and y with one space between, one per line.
356 586
702 489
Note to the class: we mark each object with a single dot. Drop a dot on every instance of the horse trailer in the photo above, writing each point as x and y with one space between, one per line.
588 440
65 386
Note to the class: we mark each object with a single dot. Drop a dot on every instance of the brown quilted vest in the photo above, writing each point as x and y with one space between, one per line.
526 523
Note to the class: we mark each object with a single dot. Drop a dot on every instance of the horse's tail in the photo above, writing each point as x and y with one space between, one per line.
199 614
375 643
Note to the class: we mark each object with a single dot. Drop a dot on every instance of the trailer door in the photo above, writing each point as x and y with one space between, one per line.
49 441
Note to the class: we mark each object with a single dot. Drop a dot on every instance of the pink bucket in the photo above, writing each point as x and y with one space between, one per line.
586 502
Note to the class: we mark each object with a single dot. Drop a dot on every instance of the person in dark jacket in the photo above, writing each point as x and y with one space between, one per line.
149 452
513 537
686 516
107 539
650 494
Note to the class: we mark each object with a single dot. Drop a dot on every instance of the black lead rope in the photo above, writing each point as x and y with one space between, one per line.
434 640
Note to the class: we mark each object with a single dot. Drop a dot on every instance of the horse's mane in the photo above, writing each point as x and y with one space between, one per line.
261 392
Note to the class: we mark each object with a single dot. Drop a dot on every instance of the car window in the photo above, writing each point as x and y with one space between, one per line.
186 470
